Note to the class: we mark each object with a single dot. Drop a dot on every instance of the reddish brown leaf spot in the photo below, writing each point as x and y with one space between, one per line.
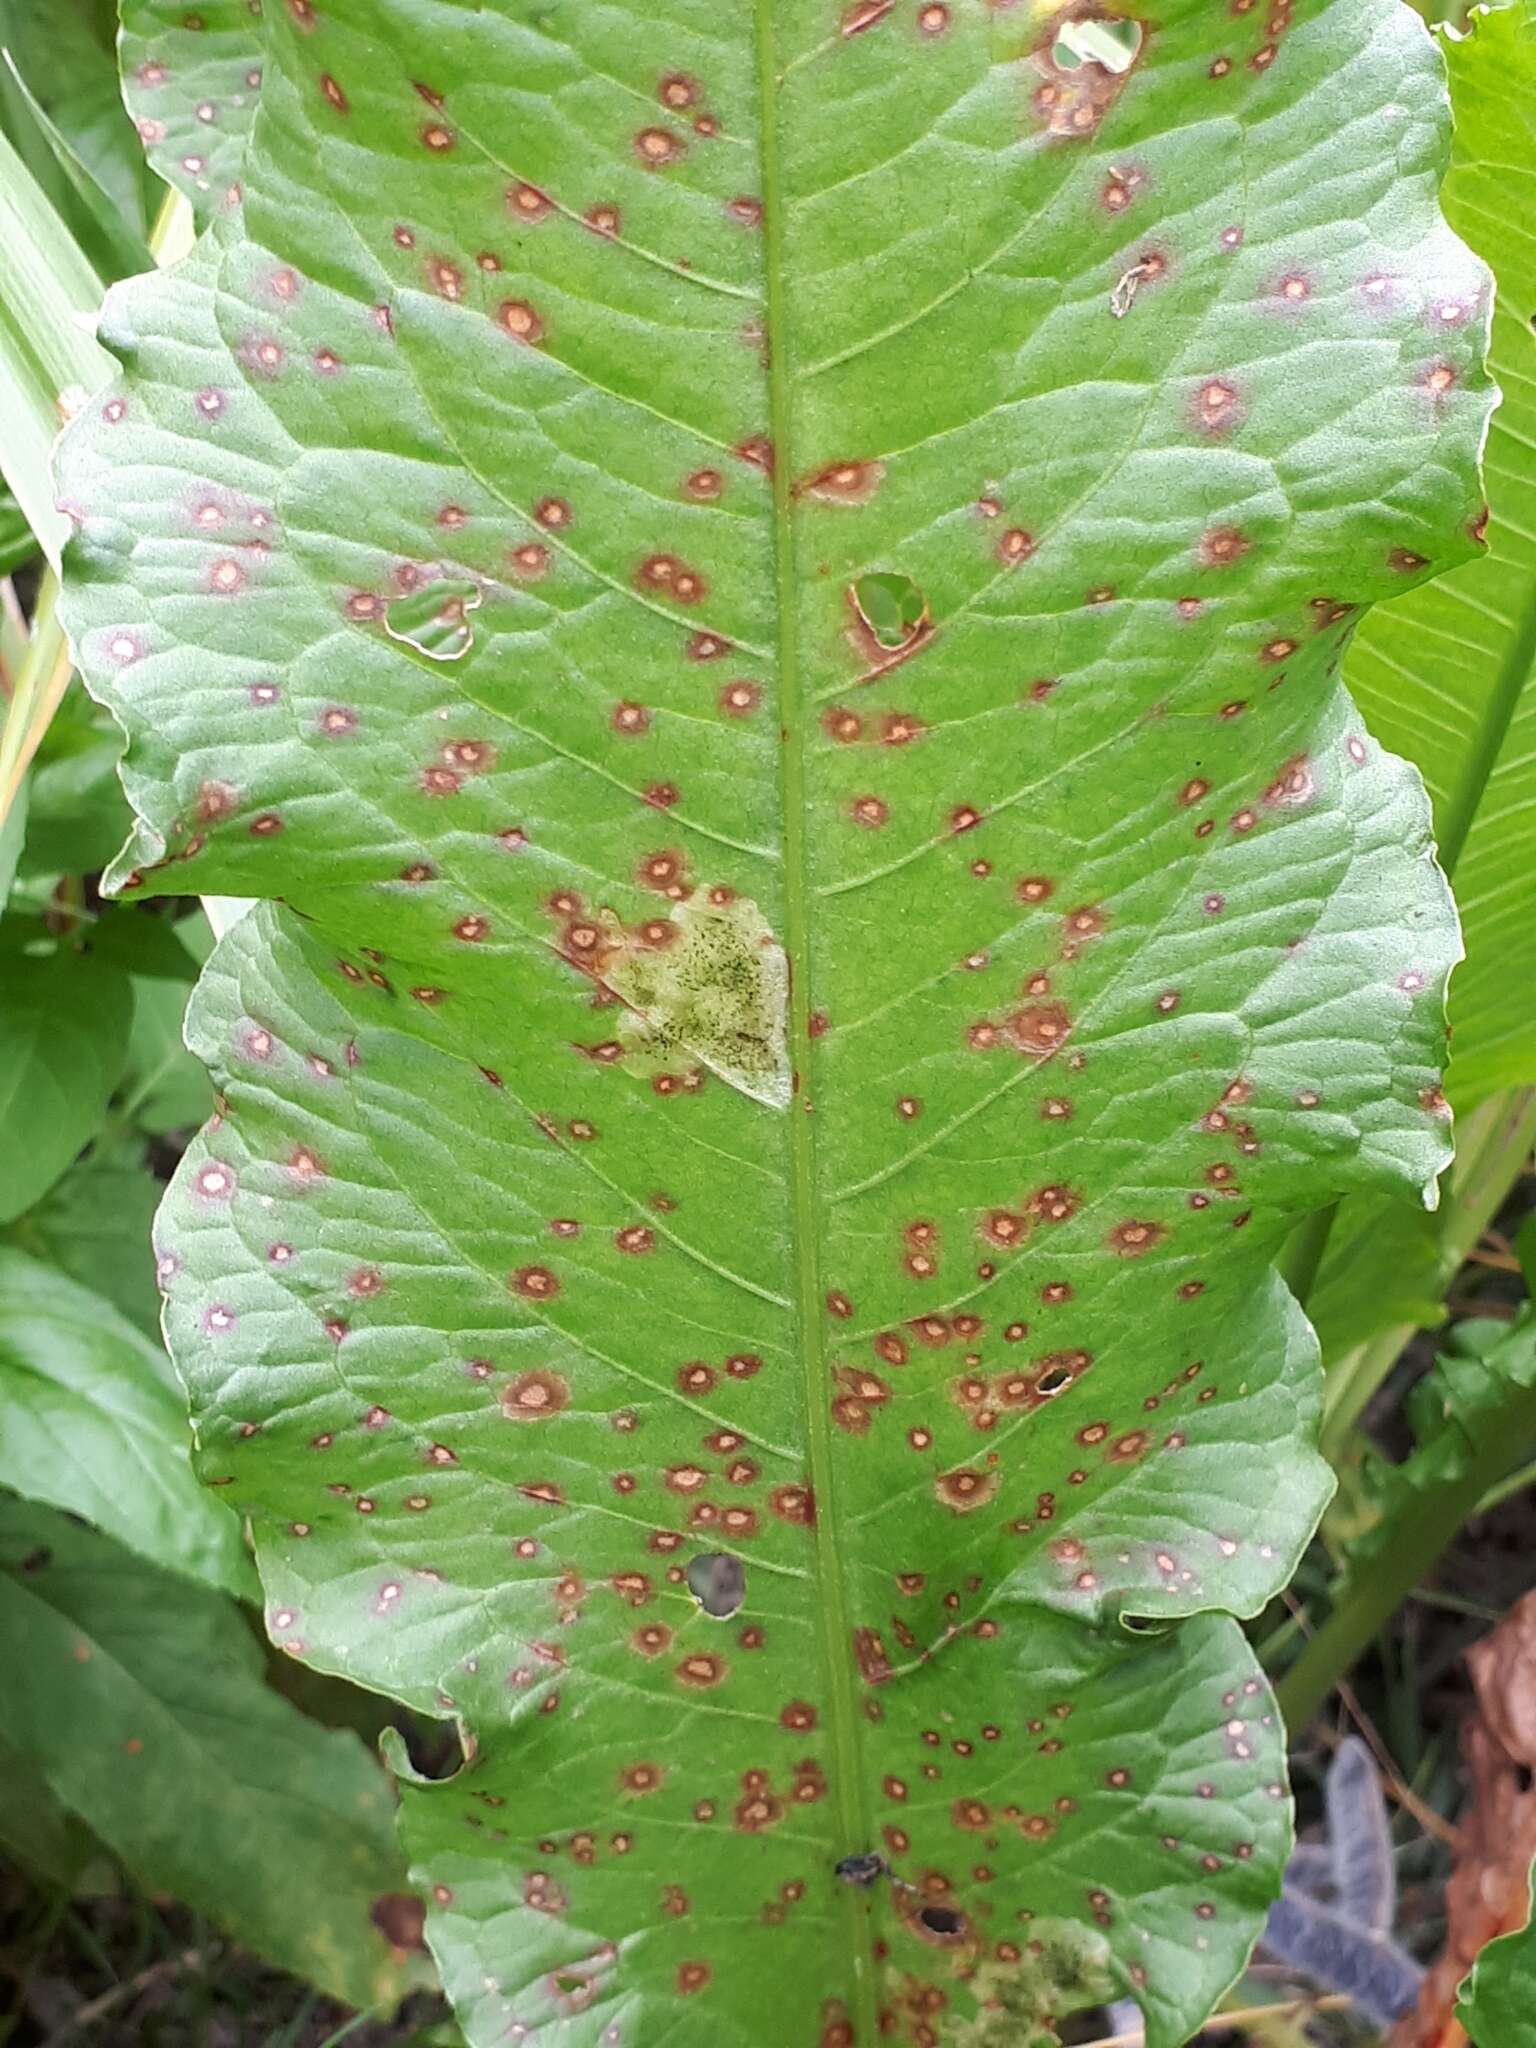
657 147
535 1283
965 1488
845 483
534 1396
1132 1239
521 320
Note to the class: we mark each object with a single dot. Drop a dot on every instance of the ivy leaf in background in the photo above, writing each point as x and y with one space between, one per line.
1474 1424
91 1420
192 81
140 1700
1474 1421
1497 2007
63 1045
736 1267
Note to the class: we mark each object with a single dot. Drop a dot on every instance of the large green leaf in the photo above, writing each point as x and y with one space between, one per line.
140 1701
464 579
192 81
38 1831
1445 675
91 1421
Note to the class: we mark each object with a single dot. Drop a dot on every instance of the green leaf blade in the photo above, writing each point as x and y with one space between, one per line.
141 1701
63 1045
1444 675
192 81
90 1421
507 1287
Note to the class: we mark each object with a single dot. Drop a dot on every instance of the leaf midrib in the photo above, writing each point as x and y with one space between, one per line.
854 1833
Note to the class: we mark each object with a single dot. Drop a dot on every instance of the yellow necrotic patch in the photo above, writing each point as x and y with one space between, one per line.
719 992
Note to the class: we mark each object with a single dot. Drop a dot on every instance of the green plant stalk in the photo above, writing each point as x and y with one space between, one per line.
1414 1539
1506 1489
40 684
1496 1143
13 639
45 669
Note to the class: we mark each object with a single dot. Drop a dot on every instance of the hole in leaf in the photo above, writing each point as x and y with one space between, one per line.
434 618
1145 1625
434 1749
891 608
1053 1381
943 1921
401 1918
1112 45
569 1983
718 1583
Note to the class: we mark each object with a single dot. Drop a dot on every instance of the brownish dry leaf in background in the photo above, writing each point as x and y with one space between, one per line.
1489 1893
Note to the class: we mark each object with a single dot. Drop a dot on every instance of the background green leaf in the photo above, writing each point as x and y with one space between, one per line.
61 106
49 295
1445 675
1474 1422
140 1700
539 1259
94 1224
63 1044
36 1830
91 1420
16 543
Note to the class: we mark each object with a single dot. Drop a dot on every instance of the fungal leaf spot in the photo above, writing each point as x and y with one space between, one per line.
1065 1967
433 617
719 992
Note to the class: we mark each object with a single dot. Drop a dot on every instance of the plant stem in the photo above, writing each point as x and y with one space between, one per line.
1506 1489
13 639
40 683
1495 1146
1409 1543
44 671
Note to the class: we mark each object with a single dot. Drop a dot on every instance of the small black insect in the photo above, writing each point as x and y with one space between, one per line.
863 1869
